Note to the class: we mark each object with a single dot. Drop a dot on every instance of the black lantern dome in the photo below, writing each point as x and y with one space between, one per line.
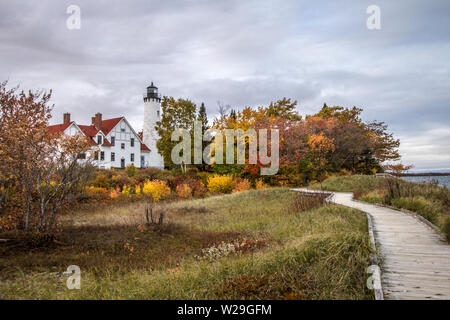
152 93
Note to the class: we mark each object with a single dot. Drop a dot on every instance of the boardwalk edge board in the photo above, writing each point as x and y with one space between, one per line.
415 215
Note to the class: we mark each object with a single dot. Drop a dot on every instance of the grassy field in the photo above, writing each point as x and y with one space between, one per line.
429 200
351 183
250 245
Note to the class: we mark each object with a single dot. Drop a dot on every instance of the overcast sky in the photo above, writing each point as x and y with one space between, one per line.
241 53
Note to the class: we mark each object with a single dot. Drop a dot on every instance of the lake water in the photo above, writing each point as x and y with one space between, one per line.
442 180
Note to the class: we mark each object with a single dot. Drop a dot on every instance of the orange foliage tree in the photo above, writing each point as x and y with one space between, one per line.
40 170
332 140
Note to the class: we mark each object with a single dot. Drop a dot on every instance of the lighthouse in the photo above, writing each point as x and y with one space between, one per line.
152 114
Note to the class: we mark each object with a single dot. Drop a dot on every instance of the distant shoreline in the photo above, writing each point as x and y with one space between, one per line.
425 174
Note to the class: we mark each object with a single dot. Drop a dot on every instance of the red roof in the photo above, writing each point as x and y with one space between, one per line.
144 147
58 128
106 143
109 124
91 131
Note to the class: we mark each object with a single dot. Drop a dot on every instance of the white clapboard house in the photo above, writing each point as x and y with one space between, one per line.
116 143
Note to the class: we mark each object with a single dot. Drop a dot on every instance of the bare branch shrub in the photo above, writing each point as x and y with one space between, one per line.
304 201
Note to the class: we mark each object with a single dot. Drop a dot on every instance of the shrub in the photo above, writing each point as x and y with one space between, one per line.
174 181
101 181
373 197
114 194
96 193
357 194
204 176
221 184
184 191
307 201
198 188
259 184
138 189
429 210
126 190
242 185
152 174
396 188
121 180
131 170
96 190
192 172
157 189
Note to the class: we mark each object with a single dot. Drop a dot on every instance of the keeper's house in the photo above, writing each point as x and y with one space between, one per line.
117 143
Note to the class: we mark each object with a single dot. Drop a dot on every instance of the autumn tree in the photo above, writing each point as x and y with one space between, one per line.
61 176
359 146
320 147
39 167
275 116
397 168
176 114
284 108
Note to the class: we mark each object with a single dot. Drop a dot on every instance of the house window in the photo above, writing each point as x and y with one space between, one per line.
113 157
132 142
122 146
102 155
132 157
99 139
157 113
113 141
122 130
96 155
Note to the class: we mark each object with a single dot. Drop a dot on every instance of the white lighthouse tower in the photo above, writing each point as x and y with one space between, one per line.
152 114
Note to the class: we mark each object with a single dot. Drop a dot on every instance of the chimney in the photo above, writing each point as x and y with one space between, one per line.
97 121
66 118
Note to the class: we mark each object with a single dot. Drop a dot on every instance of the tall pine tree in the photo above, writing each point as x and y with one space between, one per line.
203 118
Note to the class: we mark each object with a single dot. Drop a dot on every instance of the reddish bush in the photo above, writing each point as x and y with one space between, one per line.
242 185
357 194
198 188
184 191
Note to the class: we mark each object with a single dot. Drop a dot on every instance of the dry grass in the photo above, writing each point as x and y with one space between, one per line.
316 254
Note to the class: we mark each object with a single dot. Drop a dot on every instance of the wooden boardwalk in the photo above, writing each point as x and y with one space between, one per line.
415 260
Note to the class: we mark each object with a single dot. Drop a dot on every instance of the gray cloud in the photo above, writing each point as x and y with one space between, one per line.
241 53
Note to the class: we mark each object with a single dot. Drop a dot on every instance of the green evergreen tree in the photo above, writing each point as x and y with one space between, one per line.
203 118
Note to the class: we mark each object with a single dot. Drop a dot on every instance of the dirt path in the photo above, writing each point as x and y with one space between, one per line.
415 261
